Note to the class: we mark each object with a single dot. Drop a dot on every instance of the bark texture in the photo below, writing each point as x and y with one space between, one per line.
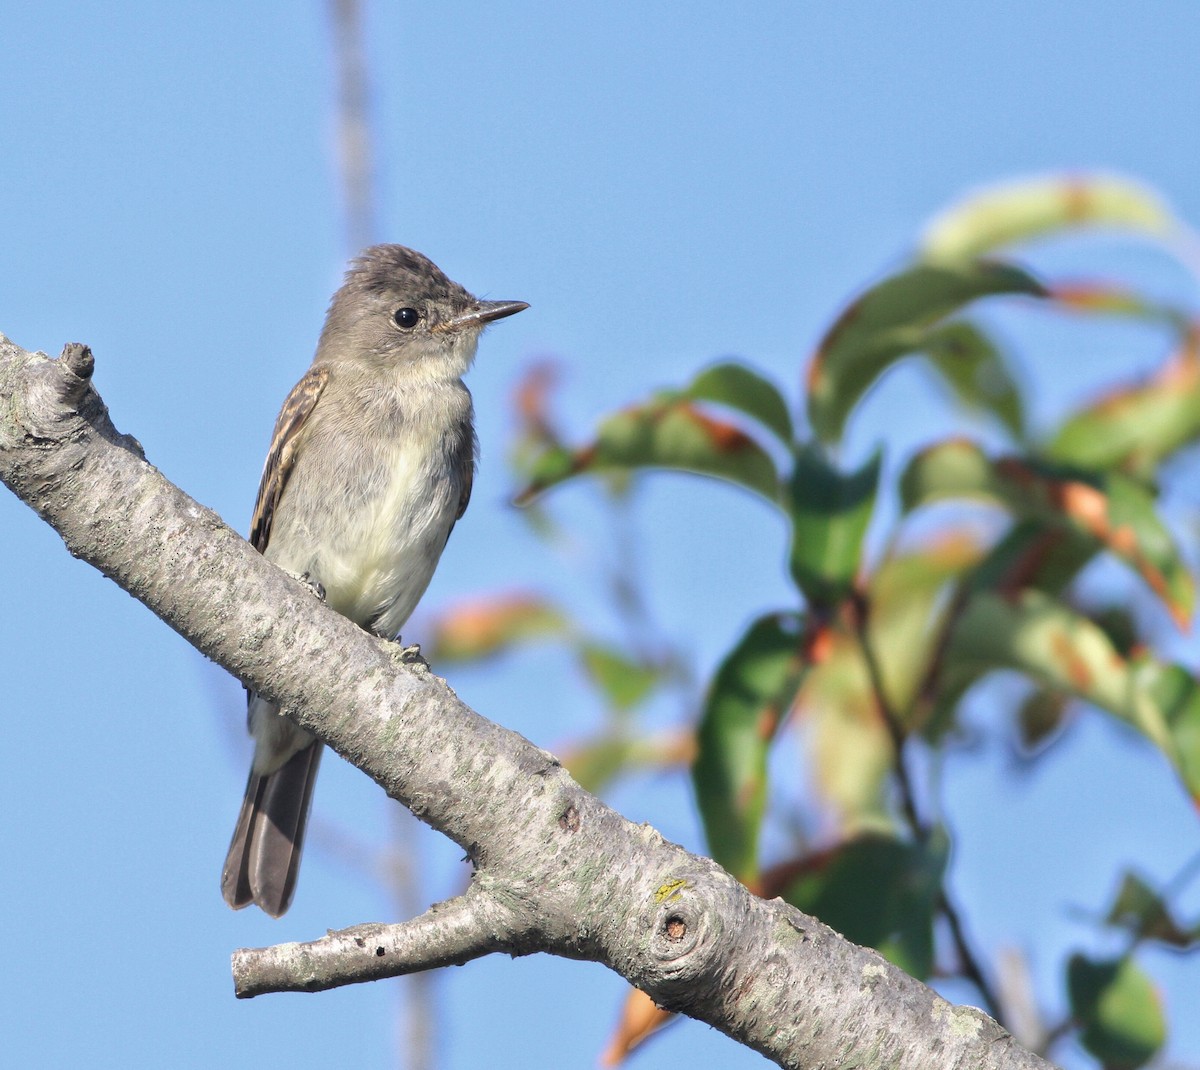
556 870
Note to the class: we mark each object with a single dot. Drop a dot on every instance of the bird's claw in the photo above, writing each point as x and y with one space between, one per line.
314 585
409 654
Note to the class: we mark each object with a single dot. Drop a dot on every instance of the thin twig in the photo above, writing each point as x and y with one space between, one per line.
860 609
417 1030
1055 1034
1161 914
968 964
356 167
927 688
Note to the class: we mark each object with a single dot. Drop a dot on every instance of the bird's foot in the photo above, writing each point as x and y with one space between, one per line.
410 654
314 585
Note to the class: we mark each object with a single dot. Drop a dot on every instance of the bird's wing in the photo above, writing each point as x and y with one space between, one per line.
467 470
282 454
466 474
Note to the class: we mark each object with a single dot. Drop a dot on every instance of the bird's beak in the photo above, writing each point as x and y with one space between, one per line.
483 313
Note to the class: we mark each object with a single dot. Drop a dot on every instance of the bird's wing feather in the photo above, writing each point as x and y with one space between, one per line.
282 455
466 475
467 471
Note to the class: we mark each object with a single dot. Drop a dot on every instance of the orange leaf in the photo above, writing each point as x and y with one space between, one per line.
639 1019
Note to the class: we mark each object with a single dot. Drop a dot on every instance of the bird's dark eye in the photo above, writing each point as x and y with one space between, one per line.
406 318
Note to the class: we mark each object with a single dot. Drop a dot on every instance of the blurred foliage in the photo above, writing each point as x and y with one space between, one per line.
867 661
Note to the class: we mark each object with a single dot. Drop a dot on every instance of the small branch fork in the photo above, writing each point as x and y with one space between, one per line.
556 870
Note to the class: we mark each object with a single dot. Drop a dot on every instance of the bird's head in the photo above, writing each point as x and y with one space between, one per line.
398 309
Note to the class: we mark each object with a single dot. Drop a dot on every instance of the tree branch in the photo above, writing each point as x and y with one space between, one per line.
448 934
555 869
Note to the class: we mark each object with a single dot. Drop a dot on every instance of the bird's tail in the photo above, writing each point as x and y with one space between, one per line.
264 855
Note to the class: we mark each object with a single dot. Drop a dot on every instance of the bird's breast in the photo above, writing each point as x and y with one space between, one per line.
370 524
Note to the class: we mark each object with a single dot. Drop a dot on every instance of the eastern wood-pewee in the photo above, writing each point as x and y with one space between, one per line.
370 466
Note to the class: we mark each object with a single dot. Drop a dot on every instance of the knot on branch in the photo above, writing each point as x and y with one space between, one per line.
76 364
53 400
690 920
54 391
58 388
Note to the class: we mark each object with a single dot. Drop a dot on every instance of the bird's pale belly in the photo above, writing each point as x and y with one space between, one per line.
378 554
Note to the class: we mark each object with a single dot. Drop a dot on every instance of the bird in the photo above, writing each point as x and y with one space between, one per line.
369 468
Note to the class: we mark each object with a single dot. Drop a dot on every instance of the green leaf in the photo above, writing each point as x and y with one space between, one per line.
1117 512
877 891
595 763
975 369
1068 654
938 715
1036 555
1031 555
1026 209
1135 428
1120 625
1175 692
891 320
830 513
624 682
1040 717
752 692
1140 910
1057 646
952 468
739 387
670 432
1118 1009
908 600
848 752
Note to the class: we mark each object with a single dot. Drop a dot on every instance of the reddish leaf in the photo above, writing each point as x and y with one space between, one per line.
1103 298
848 749
596 763
1136 428
1030 208
1114 510
640 1019
667 432
486 626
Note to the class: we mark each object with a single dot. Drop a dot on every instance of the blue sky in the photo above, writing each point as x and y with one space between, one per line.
665 186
